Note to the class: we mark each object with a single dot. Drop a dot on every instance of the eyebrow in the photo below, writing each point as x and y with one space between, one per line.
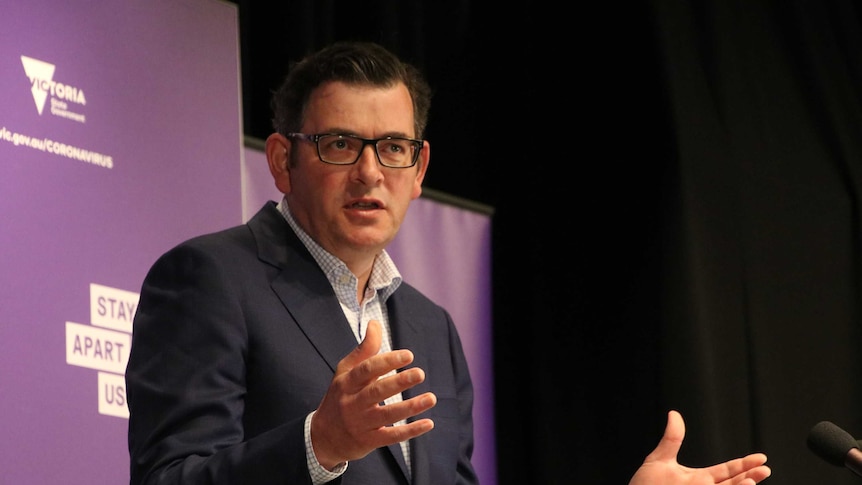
340 131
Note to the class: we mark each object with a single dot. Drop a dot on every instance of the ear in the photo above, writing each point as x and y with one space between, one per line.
422 164
277 156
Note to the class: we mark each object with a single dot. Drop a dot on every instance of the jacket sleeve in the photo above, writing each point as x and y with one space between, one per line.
186 383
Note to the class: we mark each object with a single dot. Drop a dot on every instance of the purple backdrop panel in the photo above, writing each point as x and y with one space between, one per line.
445 251
119 136
257 183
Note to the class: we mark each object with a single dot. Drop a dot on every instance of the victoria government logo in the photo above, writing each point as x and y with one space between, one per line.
65 99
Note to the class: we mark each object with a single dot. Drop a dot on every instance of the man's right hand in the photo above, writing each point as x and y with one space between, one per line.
351 420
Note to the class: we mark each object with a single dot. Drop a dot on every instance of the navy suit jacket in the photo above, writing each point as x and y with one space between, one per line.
235 340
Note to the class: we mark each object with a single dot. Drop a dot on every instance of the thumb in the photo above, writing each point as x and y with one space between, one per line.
671 441
369 347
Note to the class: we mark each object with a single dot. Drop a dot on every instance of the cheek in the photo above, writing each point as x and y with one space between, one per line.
282 182
324 191
310 181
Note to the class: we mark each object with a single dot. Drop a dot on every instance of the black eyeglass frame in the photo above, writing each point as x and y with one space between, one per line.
315 138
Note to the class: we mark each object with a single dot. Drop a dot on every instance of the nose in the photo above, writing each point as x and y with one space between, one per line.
368 167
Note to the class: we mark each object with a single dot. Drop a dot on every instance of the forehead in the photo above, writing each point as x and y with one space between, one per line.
361 109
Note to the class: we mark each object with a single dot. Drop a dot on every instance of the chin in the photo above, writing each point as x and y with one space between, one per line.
371 239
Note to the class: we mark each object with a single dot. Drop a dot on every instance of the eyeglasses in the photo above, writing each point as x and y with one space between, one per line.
335 149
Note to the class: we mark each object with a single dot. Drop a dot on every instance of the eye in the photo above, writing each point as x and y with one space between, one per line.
394 146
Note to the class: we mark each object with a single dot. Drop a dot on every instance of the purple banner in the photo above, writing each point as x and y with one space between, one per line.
119 136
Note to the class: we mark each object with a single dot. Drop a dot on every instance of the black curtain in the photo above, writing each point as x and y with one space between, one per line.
760 328
676 193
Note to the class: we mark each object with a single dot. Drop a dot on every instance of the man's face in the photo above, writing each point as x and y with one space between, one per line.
354 211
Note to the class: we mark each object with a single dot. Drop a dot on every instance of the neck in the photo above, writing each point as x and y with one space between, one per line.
363 274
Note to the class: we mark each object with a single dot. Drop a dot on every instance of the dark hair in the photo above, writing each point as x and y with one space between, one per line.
357 63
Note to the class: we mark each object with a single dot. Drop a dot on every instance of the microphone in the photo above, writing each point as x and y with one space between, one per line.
836 446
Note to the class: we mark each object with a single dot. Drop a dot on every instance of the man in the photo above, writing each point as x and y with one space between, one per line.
245 367
288 350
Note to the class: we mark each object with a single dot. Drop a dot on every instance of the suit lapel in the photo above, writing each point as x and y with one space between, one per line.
405 326
302 287
318 314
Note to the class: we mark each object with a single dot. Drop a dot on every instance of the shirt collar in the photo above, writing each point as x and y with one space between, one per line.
385 277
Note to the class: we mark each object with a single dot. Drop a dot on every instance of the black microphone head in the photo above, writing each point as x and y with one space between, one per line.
830 442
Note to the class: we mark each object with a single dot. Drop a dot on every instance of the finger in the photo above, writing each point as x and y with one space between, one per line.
390 435
381 389
365 377
670 443
388 414
755 475
758 474
749 466
370 344
396 434
369 347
